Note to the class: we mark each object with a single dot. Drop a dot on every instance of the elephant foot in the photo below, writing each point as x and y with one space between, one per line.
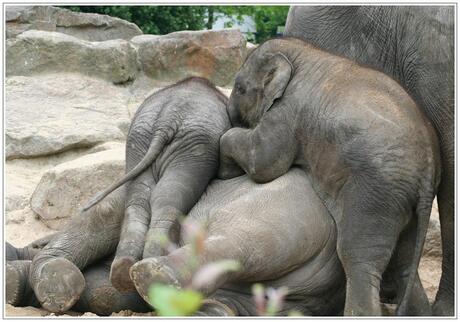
16 281
211 307
119 274
152 270
103 300
58 284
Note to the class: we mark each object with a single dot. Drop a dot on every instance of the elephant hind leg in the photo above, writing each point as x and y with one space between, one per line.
367 235
178 190
177 269
132 237
398 273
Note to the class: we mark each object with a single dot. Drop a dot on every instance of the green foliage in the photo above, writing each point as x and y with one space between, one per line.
267 19
165 19
154 19
169 301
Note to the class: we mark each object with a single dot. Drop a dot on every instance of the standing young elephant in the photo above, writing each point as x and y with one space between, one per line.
172 152
369 152
414 45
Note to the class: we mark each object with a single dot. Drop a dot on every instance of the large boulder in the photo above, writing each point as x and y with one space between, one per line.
215 55
64 189
86 26
52 113
34 52
22 175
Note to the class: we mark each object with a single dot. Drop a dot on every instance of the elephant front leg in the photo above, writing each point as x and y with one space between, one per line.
264 153
55 273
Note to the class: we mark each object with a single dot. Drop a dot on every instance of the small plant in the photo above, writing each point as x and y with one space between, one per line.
170 301
268 302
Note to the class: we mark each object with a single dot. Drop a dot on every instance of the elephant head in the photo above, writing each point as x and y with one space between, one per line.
262 79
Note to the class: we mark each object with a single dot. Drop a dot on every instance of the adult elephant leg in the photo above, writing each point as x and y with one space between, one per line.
445 298
55 274
398 272
101 298
176 193
135 225
367 235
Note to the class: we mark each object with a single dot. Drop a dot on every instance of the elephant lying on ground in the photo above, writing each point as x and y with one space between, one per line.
99 296
279 231
369 152
414 45
172 152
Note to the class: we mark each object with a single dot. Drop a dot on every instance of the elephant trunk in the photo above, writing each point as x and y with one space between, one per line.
233 114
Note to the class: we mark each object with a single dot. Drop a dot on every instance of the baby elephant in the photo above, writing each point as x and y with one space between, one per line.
280 232
370 153
172 152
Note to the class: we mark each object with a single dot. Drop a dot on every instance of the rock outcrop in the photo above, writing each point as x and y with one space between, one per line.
215 55
64 189
86 26
52 113
36 52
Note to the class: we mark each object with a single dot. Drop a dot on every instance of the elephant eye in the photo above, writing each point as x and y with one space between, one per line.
240 90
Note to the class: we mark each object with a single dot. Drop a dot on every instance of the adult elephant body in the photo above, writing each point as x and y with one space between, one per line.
415 46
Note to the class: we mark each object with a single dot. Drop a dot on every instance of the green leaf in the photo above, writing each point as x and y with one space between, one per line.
294 313
169 301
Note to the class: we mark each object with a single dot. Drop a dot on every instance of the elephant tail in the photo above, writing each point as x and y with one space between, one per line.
423 212
155 148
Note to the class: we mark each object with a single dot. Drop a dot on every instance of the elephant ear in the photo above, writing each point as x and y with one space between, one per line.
276 79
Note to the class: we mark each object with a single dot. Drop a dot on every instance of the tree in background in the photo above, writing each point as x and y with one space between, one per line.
158 20
165 19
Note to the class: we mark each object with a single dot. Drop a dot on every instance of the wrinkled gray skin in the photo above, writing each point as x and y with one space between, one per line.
415 46
171 155
369 152
98 297
280 232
